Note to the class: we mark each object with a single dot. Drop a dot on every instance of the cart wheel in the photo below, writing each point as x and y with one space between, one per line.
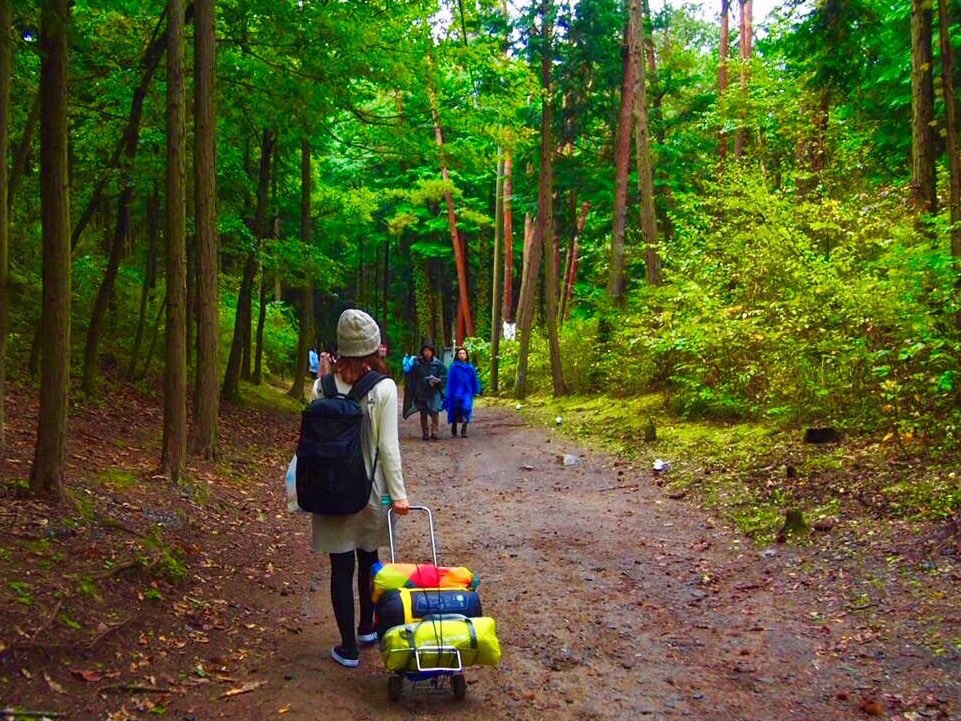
459 684
394 685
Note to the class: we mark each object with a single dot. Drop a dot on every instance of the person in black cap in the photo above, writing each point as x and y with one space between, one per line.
427 383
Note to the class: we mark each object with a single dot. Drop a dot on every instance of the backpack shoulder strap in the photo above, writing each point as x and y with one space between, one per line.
362 387
328 386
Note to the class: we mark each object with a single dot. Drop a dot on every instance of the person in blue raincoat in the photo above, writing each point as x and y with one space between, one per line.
462 385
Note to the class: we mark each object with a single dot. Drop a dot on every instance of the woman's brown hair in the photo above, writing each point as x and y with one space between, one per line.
352 370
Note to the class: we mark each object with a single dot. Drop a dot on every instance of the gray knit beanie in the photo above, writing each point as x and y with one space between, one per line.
357 334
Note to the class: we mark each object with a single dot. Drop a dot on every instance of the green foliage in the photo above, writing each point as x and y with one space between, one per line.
169 560
843 313
22 591
280 337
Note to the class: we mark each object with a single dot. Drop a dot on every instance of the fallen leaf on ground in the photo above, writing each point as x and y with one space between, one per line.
54 686
245 688
87 675
871 706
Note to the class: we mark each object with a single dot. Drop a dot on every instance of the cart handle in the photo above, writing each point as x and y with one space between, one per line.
430 526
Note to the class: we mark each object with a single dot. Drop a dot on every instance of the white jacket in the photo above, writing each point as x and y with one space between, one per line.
367 529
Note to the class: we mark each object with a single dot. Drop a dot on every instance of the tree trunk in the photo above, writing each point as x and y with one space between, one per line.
46 476
22 151
508 309
385 309
150 278
722 71
530 271
570 276
175 370
630 51
951 136
6 63
306 335
148 360
496 296
244 317
192 309
104 292
246 356
205 439
746 41
545 199
645 171
460 259
923 132
258 375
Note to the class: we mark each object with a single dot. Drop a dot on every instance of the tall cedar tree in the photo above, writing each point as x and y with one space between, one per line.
530 270
120 242
175 369
746 41
508 309
46 477
244 315
545 198
6 61
722 70
923 173
496 272
533 252
630 53
305 337
265 279
951 128
204 440
149 277
460 249
645 162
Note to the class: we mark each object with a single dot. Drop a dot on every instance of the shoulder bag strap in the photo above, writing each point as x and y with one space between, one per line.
357 392
328 386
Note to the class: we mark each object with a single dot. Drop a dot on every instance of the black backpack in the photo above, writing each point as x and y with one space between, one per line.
331 477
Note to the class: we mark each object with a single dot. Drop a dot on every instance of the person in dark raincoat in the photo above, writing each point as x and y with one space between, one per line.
426 383
462 385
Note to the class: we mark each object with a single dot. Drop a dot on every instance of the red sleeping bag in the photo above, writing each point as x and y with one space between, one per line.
393 576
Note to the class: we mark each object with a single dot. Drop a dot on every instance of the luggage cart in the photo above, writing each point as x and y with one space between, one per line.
447 666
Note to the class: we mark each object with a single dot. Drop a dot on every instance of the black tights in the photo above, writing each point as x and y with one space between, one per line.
342 592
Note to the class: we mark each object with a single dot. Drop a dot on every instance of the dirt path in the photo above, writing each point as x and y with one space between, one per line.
613 602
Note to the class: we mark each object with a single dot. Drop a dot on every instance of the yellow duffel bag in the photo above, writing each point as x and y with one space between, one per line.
434 637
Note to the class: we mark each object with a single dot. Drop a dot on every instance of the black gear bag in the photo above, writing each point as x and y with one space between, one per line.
331 477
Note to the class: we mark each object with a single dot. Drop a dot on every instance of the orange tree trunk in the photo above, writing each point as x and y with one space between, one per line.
460 259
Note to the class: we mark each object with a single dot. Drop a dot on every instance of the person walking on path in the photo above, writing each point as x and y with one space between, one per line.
426 381
361 534
462 385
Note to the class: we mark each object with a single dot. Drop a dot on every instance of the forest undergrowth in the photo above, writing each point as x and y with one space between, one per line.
752 473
